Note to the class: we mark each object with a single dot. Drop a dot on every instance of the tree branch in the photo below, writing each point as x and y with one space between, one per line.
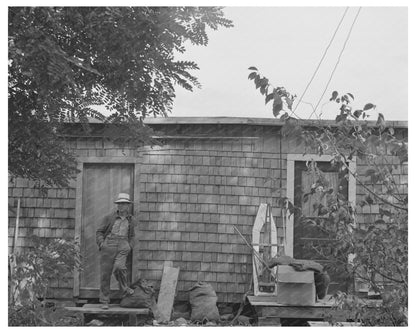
355 175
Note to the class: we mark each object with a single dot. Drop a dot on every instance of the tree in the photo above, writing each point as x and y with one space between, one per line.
65 60
376 254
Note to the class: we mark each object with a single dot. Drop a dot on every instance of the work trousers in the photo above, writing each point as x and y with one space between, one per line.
114 252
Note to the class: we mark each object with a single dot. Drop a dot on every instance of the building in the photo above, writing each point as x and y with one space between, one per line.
209 175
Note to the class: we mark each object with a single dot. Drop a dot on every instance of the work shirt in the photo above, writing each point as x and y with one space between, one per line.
120 227
109 222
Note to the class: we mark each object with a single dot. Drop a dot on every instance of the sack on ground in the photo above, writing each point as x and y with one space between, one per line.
143 296
203 301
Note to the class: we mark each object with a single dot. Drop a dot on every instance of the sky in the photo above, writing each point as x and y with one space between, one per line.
286 44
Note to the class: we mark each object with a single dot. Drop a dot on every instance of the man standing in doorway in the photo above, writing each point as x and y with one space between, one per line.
115 239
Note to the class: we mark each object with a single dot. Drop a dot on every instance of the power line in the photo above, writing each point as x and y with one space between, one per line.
322 58
336 64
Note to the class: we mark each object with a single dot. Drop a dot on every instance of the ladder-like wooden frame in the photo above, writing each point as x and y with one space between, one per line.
257 265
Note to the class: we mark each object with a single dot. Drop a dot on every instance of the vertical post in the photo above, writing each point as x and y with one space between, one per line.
290 193
12 262
78 225
16 230
268 243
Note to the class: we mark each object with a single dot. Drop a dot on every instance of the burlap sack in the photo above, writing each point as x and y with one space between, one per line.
203 301
143 297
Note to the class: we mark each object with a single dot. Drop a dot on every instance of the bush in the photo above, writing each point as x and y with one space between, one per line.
31 275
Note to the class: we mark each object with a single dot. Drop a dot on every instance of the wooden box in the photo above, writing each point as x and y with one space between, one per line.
294 287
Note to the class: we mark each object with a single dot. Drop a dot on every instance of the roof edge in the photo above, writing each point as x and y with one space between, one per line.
253 121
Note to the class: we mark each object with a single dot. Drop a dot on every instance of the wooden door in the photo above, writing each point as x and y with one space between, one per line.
100 186
307 236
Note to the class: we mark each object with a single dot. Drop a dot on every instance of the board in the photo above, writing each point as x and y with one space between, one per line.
264 242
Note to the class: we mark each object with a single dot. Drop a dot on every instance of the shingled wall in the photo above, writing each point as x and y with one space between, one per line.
369 213
192 192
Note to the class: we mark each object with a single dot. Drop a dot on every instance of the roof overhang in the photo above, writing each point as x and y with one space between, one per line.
252 121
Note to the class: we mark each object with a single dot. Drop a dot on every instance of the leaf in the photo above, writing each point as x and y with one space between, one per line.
330 191
284 116
269 97
351 95
370 172
369 199
257 81
310 222
369 106
277 104
65 49
252 75
289 102
322 210
334 95
340 118
264 82
290 207
380 121
282 202
385 212
252 68
357 113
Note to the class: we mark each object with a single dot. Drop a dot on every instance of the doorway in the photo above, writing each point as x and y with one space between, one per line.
101 184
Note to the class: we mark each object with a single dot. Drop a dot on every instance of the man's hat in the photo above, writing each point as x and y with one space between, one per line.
123 197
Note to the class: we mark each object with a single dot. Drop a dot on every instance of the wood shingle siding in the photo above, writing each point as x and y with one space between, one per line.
192 194
191 190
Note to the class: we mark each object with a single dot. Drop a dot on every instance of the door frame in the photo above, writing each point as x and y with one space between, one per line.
291 159
78 200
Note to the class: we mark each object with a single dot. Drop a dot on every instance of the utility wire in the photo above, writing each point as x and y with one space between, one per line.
322 59
336 64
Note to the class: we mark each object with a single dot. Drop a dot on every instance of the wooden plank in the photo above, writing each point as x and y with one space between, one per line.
326 324
256 235
327 302
303 312
265 301
268 321
290 192
113 309
78 217
167 293
204 137
136 212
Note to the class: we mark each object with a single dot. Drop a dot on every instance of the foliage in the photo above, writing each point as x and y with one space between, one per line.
376 254
63 61
31 275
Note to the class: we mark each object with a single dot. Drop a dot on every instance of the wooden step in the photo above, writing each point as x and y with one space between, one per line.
113 309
